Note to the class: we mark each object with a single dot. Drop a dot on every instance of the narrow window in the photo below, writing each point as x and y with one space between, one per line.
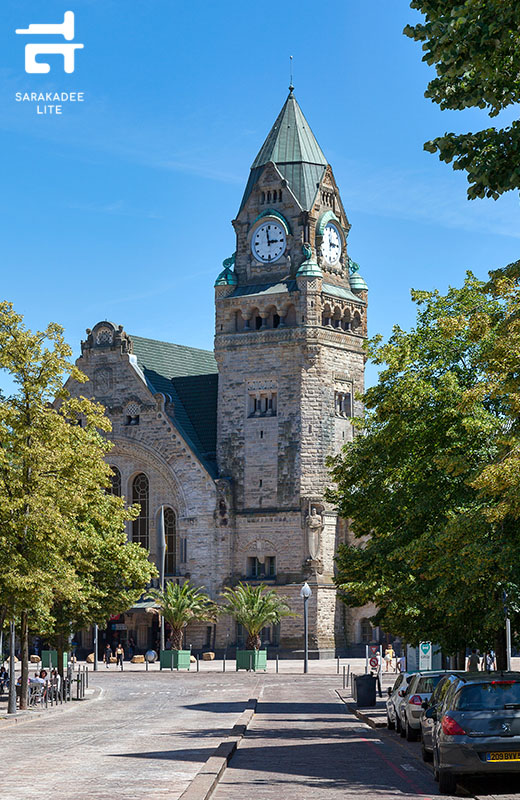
183 551
115 482
276 320
270 567
208 636
140 526
170 533
258 323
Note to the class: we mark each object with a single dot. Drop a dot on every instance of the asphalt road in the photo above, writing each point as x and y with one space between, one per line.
146 735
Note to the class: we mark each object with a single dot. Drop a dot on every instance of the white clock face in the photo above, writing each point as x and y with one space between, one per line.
331 244
268 242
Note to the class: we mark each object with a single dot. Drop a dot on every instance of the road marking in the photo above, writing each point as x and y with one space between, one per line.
408 767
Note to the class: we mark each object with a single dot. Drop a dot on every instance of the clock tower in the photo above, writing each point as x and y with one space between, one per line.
290 324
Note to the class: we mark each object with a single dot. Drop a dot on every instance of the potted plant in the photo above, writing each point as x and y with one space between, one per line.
254 607
180 605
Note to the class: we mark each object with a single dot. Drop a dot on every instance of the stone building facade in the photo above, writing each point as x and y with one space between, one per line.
234 444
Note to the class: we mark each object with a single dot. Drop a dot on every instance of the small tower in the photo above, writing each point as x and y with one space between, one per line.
290 324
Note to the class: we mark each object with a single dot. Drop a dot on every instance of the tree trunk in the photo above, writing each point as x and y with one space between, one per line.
24 639
500 649
461 659
253 642
176 639
60 648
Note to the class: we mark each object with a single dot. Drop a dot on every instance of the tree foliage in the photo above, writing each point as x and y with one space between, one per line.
181 605
475 48
64 553
424 480
254 607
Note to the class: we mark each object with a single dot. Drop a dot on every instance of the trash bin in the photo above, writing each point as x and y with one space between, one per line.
365 690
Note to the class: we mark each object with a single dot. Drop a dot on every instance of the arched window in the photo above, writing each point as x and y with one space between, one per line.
366 630
140 526
170 534
115 482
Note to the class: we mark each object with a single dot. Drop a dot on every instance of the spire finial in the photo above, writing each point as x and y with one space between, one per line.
291 87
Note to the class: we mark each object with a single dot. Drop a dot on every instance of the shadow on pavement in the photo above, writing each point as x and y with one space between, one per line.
195 754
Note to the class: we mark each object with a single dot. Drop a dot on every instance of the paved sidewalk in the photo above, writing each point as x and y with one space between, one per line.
304 743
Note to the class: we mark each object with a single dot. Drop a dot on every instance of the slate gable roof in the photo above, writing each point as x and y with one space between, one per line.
190 377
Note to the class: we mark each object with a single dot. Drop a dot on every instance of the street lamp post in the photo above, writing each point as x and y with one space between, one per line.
11 703
95 646
161 552
305 593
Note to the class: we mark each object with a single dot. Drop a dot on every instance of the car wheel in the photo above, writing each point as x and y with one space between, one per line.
389 724
426 755
447 782
411 735
402 729
397 724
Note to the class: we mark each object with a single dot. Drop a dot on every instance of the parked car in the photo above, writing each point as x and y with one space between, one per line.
395 698
476 728
418 691
426 719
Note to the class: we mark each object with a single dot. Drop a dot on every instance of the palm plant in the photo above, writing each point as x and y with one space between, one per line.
181 605
254 607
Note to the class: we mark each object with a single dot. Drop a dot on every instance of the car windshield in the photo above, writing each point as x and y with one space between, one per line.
427 684
488 696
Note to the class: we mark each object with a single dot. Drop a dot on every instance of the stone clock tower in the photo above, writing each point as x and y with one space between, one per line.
290 323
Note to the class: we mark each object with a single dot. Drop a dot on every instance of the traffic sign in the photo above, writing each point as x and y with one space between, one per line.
373 662
374 648
425 655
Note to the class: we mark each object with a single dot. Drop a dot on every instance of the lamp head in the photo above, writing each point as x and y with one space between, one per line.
305 591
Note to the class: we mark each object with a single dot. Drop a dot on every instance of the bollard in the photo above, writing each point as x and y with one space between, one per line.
250 662
337 667
46 693
77 688
224 663
344 678
198 667
86 673
146 662
277 663
348 673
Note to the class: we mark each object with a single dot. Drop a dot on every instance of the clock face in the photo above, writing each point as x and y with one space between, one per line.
268 242
331 244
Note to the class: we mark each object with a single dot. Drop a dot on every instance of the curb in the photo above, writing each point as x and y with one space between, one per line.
205 782
33 716
362 715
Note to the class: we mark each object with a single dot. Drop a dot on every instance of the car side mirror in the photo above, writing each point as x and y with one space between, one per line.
389 690
431 713
401 692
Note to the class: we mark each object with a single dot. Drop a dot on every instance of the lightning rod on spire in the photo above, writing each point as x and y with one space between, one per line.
291 87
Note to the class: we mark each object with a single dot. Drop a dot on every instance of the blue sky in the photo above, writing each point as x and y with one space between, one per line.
121 208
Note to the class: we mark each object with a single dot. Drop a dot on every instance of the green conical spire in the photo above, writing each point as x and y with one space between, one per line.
290 140
292 146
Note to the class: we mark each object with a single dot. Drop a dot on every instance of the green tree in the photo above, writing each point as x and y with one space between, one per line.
254 607
181 605
53 480
430 554
475 48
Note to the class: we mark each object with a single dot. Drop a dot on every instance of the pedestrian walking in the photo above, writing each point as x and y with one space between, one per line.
490 661
107 655
402 663
120 654
389 657
473 661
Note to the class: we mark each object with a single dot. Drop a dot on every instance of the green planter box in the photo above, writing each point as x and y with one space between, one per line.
252 659
50 659
175 659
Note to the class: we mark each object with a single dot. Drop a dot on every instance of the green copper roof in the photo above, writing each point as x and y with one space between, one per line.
292 146
339 291
190 377
290 139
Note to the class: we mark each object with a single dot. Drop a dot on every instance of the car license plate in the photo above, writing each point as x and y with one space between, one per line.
513 756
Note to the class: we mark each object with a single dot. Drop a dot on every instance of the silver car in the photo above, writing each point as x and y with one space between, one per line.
395 698
477 728
418 693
